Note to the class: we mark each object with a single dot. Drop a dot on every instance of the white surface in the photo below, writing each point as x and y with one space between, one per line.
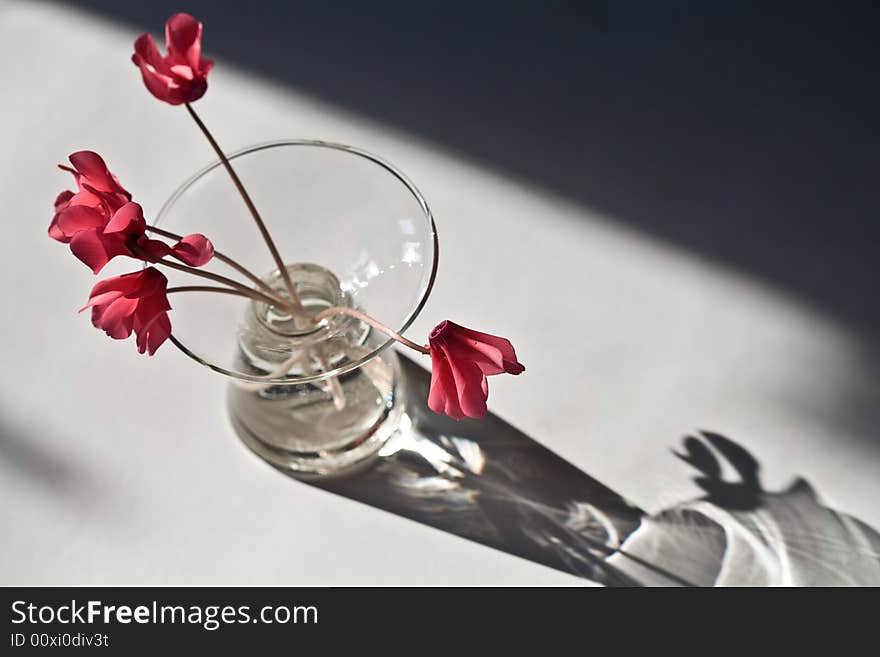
120 469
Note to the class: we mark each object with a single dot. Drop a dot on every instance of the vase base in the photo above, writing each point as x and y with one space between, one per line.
339 460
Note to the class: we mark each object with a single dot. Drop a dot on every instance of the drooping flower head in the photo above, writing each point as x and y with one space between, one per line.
101 222
136 302
461 359
181 76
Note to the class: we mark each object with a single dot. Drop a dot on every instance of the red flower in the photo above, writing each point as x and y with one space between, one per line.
101 222
99 193
133 302
461 359
194 250
182 75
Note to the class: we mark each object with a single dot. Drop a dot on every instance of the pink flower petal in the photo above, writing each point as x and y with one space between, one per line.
151 305
183 39
156 83
508 355
443 397
96 249
181 75
146 51
75 218
487 358
135 302
89 196
108 202
469 385
102 299
155 249
55 233
461 359
150 282
124 285
151 337
63 199
195 250
183 71
129 219
117 318
92 166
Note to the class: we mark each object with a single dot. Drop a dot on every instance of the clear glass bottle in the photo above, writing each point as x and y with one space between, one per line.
321 400
319 422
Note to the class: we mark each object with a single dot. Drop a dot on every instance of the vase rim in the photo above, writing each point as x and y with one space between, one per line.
410 317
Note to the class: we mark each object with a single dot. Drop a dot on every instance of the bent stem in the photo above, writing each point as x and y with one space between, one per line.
222 258
291 289
366 319
217 278
252 294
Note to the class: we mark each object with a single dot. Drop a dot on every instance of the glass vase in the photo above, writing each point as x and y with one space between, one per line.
356 233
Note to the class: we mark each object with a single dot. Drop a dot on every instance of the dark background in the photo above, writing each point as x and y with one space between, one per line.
744 132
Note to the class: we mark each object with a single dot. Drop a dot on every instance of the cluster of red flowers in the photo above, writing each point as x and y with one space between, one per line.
100 222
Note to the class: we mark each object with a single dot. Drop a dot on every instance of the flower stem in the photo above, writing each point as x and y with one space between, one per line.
366 319
222 258
291 289
220 290
217 278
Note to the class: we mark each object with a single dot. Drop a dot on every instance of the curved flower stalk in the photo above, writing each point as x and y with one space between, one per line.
101 222
180 78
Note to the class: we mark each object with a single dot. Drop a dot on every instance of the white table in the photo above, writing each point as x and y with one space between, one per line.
121 469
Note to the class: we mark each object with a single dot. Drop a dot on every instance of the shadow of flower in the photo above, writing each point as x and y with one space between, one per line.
739 534
488 482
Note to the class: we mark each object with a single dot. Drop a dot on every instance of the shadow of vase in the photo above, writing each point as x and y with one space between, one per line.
488 482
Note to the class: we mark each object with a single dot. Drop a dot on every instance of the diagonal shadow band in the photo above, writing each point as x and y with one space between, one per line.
488 482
